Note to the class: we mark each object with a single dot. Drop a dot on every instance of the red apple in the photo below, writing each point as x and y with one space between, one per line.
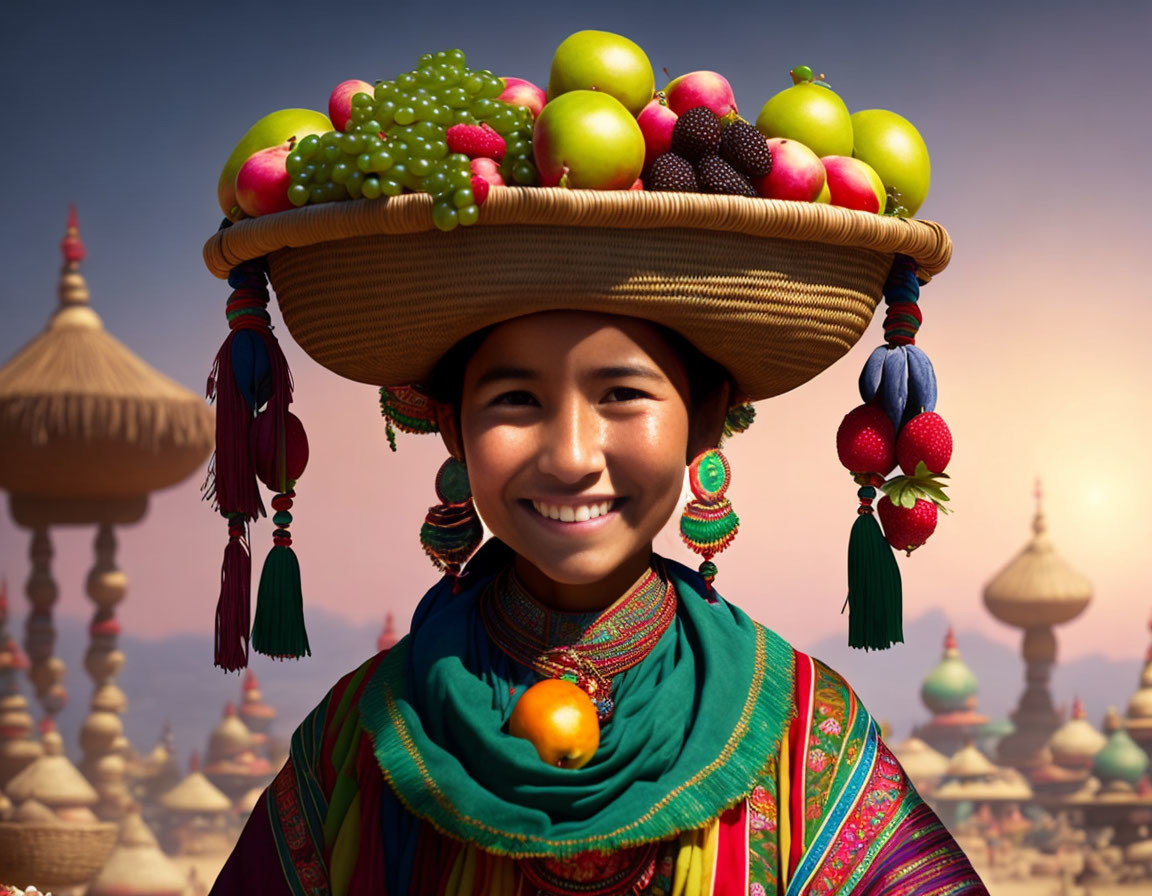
639 185
656 121
340 102
518 92
700 89
853 183
489 169
587 139
262 182
797 172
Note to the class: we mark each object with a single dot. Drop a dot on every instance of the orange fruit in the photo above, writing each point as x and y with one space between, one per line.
559 720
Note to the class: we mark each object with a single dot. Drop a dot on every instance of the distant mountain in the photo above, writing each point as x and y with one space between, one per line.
173 678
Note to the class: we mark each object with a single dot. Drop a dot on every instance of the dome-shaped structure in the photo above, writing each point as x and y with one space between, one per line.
1139 713
387 638
1076 743
256 715
195 794
1121 759
924 765
137 867
229 738
52 779
83 418
1037 587
951 686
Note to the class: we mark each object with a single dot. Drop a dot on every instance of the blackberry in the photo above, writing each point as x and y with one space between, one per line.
671 172
696 133
717 176
745 149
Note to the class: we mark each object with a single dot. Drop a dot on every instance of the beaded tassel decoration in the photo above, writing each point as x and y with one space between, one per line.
452 530
407 409
898 386
708 523
252 387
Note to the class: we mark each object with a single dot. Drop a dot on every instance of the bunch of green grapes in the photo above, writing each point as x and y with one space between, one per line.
395 141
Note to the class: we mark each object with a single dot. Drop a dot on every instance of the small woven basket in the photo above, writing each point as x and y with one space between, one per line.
775 291
54 855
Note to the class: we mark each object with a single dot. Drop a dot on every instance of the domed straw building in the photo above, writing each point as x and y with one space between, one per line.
950 691
17 747
256 715
1036 591
137 867
232 763
924 765
1066 760
197 814
87 432
1138 717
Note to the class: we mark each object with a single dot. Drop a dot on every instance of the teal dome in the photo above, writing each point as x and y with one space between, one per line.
1122 759
951 686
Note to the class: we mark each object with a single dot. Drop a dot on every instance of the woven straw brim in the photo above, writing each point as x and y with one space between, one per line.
775 291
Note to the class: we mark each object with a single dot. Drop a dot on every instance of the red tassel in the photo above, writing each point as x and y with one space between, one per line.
231 483
233 609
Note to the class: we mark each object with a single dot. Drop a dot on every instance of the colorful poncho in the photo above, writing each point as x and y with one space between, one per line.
732 764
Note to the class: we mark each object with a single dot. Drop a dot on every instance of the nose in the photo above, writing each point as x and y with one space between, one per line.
573 448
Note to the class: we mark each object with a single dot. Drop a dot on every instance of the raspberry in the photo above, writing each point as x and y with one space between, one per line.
696 133
475 140
671 172
746 149
717 176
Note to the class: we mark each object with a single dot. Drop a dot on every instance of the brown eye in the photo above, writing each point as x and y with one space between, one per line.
625 393
515 398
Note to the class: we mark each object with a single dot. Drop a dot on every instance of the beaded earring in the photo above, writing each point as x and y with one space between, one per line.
708 523
452 530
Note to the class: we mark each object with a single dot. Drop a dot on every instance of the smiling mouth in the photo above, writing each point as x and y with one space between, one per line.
574 513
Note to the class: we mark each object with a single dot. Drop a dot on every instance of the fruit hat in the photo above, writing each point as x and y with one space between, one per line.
775 291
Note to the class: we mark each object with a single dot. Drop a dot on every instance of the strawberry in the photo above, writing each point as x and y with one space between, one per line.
480 187
864 441
924 438
475 140
906 528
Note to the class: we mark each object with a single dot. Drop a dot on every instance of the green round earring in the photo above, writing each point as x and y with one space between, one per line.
452 530
708 523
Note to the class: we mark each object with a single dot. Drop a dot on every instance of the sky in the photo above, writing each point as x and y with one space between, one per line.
1038 126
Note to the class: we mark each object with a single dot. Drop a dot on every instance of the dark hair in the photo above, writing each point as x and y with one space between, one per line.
446 383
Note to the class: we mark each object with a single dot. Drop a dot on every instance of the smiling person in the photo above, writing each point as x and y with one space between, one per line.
687 749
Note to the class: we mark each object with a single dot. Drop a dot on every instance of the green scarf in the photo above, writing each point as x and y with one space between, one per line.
694 725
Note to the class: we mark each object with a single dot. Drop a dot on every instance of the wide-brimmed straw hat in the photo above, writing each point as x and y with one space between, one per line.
774 291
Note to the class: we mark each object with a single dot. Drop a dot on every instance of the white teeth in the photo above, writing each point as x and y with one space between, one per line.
570 514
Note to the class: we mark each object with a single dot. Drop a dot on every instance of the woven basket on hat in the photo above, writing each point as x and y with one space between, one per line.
775 291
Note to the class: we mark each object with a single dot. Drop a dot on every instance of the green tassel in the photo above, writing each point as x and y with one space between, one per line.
279 627
874 592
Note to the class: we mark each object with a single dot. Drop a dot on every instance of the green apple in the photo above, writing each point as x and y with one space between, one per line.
892 145
825 196
603 61
271 130
811 114
587 140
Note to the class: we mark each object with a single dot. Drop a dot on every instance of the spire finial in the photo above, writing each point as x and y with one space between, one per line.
1039 526
1078 711
950 639
72 246
73 290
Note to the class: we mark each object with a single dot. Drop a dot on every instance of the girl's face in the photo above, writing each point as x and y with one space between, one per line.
575 430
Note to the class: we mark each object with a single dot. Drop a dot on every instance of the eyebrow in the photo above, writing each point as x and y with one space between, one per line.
622 371
506 372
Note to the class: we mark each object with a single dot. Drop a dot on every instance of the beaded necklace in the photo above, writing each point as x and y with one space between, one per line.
585 648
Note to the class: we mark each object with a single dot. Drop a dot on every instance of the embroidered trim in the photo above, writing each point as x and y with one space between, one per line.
588 649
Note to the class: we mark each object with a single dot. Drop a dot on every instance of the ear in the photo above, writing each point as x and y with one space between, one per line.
449 431
707 425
